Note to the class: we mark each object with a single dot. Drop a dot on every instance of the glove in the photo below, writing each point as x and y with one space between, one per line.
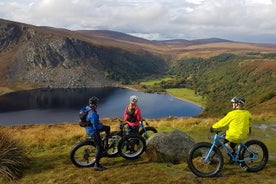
212 130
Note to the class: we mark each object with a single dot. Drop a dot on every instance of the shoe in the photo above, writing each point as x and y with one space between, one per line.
243 166
98 167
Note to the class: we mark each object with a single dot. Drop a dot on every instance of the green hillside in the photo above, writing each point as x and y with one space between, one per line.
221 77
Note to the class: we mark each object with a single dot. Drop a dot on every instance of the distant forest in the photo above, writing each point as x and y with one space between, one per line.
221 77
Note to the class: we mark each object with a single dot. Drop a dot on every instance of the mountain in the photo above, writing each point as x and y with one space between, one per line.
114 35
37 56
50 57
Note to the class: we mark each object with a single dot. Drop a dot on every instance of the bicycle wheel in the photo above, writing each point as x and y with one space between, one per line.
246 154
201 167
147 132
113 141
83 154
132 146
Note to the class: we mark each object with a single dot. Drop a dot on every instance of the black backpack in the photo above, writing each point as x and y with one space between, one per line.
83 117
130 115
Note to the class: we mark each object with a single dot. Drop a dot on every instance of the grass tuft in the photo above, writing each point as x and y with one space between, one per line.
13 158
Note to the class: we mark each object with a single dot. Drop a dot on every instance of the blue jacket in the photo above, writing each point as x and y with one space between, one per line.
93 117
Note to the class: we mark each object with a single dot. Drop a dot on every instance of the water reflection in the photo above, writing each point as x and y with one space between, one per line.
62 105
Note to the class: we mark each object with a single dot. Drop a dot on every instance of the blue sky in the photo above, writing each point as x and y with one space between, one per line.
237 20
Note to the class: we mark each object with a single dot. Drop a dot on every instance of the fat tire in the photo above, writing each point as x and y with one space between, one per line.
77 155
251 166
195 153
113 141
130 140
149 130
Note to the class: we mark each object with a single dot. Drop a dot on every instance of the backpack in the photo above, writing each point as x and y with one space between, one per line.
130 115
83 117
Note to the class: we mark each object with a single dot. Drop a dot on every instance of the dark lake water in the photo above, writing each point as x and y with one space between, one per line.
49 106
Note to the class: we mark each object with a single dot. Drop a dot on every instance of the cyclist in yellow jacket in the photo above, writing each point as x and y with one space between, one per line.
238 121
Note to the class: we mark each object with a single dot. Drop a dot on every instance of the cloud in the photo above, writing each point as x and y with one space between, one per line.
239 20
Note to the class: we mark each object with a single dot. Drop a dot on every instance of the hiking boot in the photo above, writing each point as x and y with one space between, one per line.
98 167
243 166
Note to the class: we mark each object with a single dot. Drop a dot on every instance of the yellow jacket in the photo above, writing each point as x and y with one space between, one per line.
238 122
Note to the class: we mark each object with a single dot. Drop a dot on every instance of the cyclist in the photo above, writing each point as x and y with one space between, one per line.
132 115
94 131
238 121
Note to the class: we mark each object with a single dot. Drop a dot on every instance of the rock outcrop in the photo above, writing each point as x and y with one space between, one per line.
169 147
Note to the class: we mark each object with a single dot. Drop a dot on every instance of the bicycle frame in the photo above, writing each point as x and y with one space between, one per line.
142 126
219 140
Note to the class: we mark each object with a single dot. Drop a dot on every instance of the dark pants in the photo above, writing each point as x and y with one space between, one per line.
99 144
231 144
106 129
133 129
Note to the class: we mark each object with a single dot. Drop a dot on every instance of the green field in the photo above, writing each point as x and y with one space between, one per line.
187 94
181 93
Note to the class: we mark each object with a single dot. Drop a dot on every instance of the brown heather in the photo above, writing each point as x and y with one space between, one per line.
49 146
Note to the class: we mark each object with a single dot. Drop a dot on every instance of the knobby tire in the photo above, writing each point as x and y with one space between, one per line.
198 165
83 154
132 146
260 162
147 132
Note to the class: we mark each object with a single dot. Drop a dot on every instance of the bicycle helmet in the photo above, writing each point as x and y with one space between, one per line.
93 100
133 99
238 100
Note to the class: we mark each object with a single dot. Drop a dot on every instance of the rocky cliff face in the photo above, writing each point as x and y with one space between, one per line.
55 58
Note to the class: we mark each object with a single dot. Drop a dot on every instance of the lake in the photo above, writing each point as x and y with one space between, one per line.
49 106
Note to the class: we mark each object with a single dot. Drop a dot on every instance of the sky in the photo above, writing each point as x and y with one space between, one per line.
252 21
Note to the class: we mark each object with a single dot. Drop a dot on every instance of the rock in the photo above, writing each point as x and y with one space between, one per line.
169 147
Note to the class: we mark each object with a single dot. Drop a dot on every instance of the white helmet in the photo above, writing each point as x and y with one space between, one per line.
133 99
238 100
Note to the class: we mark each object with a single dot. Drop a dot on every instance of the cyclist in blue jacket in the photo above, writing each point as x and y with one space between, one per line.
95 129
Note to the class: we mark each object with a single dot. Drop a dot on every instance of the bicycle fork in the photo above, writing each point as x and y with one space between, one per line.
211 151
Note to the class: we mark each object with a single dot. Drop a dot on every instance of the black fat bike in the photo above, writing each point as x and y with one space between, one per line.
129 146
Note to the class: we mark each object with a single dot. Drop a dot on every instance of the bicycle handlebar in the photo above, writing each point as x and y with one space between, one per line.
212 130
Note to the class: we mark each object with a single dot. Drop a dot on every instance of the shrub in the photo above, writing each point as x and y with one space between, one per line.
13 158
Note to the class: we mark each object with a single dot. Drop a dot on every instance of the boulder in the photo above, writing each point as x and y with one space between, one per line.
169 146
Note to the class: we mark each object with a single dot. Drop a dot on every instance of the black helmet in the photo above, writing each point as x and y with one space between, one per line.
238 100
93 100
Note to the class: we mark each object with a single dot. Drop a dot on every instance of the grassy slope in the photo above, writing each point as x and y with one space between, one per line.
187 94
181 93
49 147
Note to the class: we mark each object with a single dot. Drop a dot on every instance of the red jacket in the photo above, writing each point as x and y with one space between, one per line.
133 116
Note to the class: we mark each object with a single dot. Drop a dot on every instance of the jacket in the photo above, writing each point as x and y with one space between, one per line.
93 117
238 122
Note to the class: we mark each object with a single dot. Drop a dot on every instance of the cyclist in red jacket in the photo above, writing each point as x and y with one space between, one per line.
132 115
